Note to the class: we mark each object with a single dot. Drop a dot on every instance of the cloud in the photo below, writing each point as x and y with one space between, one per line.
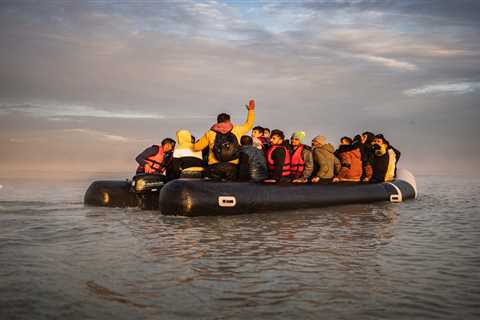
454 11
56 112
93 67
100 135
390 63
444 88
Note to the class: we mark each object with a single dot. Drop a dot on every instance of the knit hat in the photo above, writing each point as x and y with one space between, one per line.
300 135
320 139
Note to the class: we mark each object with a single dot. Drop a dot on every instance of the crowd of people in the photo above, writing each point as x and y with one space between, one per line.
227 153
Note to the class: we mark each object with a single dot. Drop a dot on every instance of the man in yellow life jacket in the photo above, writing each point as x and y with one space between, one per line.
155 159
223 145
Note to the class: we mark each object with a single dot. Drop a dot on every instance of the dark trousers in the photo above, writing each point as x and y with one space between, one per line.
222 171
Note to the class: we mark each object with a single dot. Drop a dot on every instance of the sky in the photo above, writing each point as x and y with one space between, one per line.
87 85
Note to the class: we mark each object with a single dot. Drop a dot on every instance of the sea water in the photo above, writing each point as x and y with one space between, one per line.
414 260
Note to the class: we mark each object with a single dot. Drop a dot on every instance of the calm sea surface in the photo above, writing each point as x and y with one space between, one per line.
415 260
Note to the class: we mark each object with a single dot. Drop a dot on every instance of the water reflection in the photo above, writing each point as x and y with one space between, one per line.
267 259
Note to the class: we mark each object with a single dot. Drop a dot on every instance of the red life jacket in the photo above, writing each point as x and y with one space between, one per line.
153 163
298 164
286 165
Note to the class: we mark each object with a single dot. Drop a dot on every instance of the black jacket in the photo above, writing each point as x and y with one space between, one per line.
252 164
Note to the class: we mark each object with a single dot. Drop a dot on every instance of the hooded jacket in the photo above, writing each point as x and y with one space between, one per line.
351 163
184 158
208 139
326 162
184 147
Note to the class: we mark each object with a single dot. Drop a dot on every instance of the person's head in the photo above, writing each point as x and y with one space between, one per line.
277 137
266 132
257 132
223 117
380 140
297 138
357 139
379 145
246 141
367 137
319 141
168 144
345 141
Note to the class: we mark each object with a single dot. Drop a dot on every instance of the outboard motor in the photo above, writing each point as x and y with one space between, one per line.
147 189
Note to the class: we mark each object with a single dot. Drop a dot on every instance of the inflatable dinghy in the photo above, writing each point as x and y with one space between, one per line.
188 197
199 197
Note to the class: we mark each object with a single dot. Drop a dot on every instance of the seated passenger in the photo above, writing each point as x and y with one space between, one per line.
384 160
186 162
365 145
266 134
301 165
325 162
266 139
257 136
224 149
350 160
252 164
155 159
278 159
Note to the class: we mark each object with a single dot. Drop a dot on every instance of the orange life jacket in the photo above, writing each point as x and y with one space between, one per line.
286 165
153 163
298 164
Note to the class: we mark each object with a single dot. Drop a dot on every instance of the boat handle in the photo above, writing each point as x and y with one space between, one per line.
396 198
227 201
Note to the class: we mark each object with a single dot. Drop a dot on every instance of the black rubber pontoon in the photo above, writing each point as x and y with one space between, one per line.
189 197
110 194
143 192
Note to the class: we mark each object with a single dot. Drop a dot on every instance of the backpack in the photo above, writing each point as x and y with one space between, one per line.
226 147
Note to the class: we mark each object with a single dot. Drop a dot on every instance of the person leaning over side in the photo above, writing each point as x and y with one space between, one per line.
301 165
278 159
155 159
326 164
252 164
222 142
